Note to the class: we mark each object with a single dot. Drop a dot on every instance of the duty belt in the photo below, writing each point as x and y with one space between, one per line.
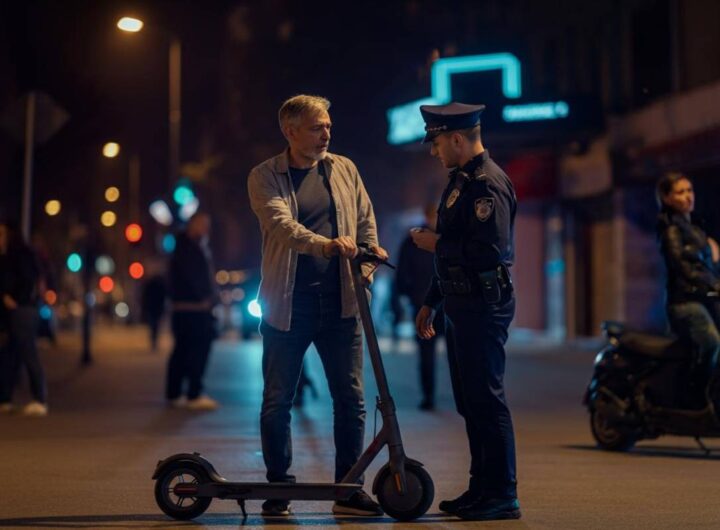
490 283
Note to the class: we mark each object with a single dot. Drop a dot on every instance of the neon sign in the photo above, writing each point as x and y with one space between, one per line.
406 123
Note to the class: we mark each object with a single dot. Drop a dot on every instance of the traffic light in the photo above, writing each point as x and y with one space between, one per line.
136 270
133 233
74 262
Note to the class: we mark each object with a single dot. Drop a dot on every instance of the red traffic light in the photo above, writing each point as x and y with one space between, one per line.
106 284
133 233
136 270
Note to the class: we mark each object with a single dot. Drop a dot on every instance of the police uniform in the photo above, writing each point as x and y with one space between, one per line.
472 259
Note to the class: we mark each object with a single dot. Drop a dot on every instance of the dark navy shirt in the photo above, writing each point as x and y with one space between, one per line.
316 212
476 219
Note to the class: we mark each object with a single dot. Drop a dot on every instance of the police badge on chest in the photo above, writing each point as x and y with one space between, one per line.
484 208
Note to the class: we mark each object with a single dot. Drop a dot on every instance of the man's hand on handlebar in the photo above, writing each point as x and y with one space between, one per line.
343 246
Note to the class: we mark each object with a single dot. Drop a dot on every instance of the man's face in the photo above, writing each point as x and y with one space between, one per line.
310 137
443 149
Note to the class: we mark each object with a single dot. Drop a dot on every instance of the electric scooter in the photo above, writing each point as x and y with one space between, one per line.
186 483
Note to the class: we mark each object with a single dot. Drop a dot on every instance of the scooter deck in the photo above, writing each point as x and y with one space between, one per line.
274 490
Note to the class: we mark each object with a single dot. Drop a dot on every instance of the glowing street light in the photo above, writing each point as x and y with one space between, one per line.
130 24
112 194
52 207
108 219
111 150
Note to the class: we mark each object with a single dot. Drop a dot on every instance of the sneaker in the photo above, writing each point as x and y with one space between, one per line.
202 403
490 510
35 408
465 498
6 408
177 403
359 503
276 507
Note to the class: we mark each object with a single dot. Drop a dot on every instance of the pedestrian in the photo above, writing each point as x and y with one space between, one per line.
314 212
153 306
474 249
193 296
693 281
412 277
19 285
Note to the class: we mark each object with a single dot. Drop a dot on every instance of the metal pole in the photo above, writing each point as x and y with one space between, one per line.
28 167
175 114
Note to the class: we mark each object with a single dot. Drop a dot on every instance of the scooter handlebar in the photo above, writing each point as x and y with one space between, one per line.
365 255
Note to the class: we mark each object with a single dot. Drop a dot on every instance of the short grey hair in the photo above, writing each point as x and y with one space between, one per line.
298 106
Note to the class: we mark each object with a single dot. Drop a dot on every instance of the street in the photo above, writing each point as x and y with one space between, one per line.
88 464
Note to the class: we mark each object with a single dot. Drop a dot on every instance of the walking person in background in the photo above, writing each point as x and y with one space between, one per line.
193 295
153 306
412 278
19 284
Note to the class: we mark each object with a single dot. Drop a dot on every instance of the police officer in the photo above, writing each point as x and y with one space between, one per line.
473 249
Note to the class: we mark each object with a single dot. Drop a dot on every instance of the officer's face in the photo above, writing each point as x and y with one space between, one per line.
682 197
443 149
310 137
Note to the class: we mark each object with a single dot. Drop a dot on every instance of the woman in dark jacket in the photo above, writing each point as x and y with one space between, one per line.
691 258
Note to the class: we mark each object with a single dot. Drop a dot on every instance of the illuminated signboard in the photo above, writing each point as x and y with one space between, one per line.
406 123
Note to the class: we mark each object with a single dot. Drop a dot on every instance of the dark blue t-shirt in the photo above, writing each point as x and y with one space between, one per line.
316 212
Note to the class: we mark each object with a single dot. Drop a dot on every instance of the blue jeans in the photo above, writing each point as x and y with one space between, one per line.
315 320
21 351
695 322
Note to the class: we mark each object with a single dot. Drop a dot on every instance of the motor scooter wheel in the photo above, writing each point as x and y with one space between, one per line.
411 504
169 500
607 436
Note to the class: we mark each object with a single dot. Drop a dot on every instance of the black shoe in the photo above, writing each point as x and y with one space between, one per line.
359 503
466 498
427 404
276 507
490 510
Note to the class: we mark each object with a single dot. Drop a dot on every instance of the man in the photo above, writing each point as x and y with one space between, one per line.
19 280
313 212
414 271
473 250
193 295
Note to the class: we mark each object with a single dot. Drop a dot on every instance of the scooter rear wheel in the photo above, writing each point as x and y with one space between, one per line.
414 502
179 506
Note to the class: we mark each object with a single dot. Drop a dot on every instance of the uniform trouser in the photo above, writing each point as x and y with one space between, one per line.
476 334
315 320
194 333
426 348
21 350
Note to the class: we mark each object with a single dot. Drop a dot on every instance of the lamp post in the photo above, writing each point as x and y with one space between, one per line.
133 25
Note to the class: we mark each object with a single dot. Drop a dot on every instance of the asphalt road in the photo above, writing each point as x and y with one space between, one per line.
88 464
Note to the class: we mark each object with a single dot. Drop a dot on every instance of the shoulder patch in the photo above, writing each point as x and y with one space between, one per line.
454 194
484 207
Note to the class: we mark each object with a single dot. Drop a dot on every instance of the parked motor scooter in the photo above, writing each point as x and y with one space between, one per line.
645 386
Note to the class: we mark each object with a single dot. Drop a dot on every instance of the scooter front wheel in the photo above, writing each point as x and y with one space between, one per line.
170 496
414 501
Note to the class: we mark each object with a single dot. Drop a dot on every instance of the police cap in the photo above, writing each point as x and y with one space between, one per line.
450 117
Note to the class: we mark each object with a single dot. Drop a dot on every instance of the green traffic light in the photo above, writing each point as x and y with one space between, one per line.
183 194
74 262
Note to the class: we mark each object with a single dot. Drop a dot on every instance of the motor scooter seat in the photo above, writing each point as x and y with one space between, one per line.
647 344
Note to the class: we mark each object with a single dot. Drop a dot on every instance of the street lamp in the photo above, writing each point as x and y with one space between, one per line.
111 150
133 25
130 24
